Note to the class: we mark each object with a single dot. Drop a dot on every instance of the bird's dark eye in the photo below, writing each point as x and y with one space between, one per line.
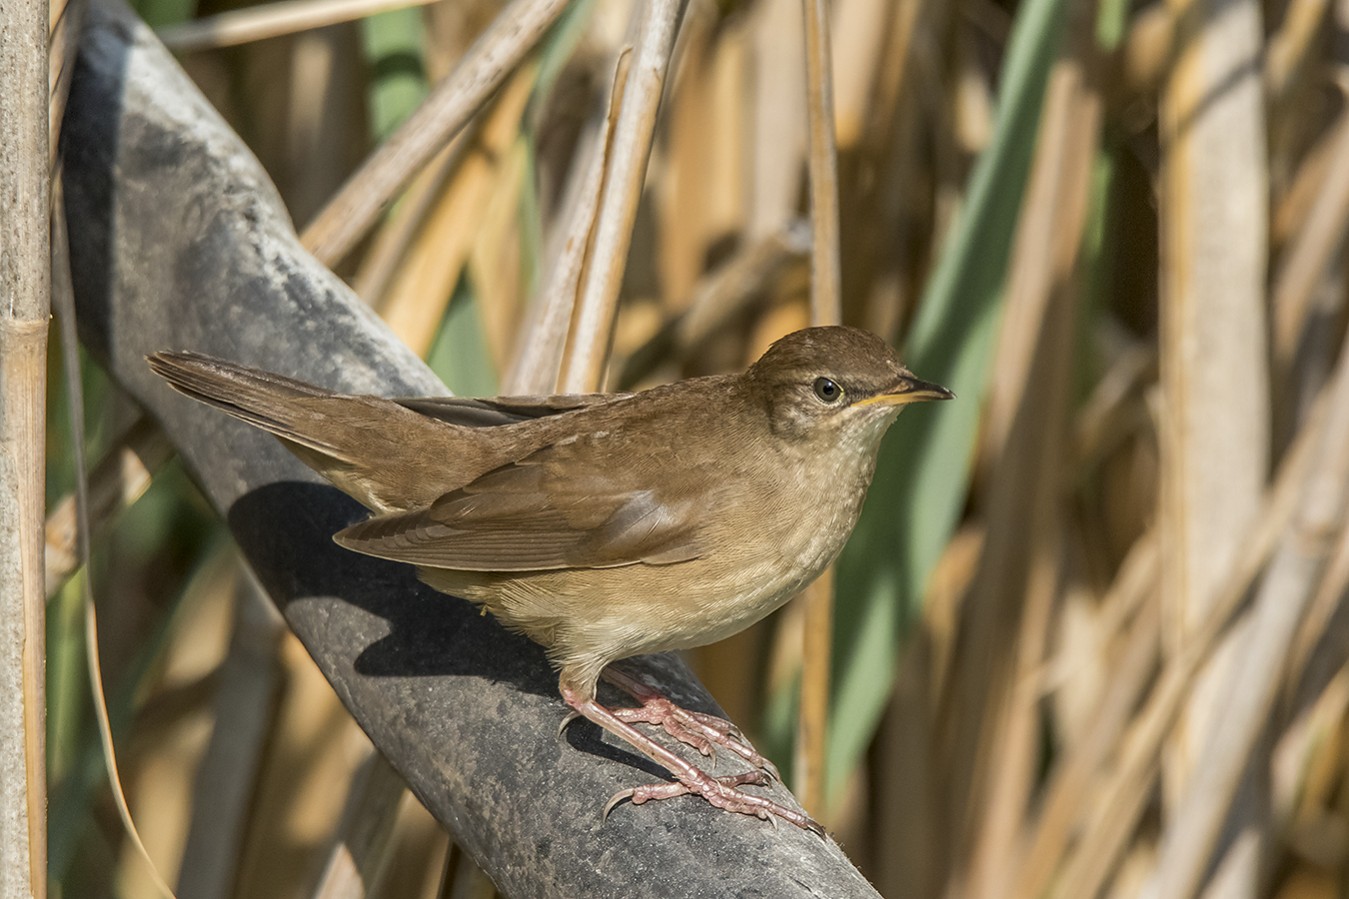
827 390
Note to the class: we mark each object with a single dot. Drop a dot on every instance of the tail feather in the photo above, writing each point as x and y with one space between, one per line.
389 457
260 398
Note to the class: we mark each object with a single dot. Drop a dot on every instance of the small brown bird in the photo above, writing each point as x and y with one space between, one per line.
607 526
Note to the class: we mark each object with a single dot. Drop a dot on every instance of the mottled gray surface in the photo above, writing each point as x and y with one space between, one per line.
180 242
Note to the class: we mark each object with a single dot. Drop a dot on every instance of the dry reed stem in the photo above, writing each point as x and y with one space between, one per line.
22 784
1122 792
256 23
812 726
1048 230
905 821
826 308
825 278
538 362
351 212
25 297
591 333
1191 839
1215 387
1141 58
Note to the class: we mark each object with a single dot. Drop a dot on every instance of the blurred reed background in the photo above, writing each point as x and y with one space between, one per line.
1090 638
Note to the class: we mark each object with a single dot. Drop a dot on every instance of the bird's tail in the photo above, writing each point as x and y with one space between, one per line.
386 455
265 400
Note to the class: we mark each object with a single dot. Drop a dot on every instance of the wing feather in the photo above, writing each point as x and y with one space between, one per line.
556 508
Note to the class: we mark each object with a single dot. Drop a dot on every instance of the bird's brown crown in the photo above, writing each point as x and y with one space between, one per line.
858 361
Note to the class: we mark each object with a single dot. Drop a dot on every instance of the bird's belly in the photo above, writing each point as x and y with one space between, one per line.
730 611
714 599
620 612
752 593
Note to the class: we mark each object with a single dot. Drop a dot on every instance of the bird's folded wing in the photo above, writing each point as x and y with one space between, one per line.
489 412
556 508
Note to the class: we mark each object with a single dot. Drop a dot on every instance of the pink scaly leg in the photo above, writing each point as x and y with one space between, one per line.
700 730
722 792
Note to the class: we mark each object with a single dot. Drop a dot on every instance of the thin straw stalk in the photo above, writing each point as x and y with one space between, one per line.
25 302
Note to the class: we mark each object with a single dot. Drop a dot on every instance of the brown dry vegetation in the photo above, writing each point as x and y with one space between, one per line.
1091 635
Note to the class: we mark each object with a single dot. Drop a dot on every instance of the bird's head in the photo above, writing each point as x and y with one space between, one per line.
836 384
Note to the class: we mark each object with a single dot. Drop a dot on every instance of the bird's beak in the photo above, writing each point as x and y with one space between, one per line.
908 389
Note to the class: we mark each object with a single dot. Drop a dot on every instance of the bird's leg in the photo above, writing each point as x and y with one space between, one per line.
700 730
722 792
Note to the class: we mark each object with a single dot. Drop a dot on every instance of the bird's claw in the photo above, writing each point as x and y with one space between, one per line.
723 793
566 722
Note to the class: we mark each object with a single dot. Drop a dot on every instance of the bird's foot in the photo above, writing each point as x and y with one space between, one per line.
723 793
700 730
